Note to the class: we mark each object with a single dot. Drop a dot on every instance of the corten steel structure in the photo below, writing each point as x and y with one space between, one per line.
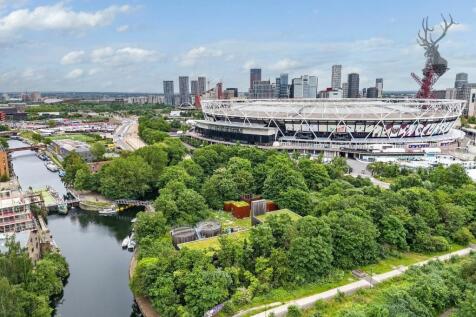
435 65
330 124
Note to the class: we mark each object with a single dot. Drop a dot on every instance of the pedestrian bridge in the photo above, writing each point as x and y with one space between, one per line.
131 202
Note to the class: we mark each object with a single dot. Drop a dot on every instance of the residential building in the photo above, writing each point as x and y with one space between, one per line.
202 85
29 240
15 213
169 92
439 94
345 90
353 85
379 86
255 75
305 87
460 80
64 147
194 88
364 93
451 93
469 94
234 91
184 90
330 93
336 77
262 90
472 103
372 92
283 86
219 90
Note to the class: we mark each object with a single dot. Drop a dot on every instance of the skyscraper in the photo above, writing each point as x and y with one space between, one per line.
336 76
296 88
255 75
283 86
345 90
169 92
262 90
461 79
202 85
219 90
194 87
353 84
379 86
184 90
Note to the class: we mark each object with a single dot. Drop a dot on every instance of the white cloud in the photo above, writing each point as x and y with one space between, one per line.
58 17
125 55
73 57
75 73
195 54
122 28
93 71
285 64
250 64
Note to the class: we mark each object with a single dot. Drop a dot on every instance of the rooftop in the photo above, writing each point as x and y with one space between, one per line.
264 217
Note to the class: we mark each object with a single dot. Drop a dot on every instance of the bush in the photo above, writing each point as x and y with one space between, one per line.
463 236
294 311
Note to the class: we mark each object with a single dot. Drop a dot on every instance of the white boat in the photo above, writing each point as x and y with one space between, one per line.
52 167
107 211
134 220
125 242
131 245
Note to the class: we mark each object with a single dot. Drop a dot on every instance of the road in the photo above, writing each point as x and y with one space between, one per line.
359 168
126 135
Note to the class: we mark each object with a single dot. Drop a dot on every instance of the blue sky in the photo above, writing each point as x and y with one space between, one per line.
132 46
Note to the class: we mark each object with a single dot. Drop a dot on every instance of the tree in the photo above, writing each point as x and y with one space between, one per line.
155 156
205 289
72 163
241 172
176 173
314 173
180 205
282 177
354 240
393 232
207 158
297 200
467 307
309 258
262 240
85 180
219 188
150 224
125 178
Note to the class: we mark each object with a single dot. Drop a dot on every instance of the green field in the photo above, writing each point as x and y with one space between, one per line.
76 137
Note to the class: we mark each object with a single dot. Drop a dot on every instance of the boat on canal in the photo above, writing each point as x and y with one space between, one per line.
51 167
107 211
125 242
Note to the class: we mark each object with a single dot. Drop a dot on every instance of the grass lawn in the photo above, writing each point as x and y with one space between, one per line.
228 221
294 216
74 136
213 243
406 258
284 295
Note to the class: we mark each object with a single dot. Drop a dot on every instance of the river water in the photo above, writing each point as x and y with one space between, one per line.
98 284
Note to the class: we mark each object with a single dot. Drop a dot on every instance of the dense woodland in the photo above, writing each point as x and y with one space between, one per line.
26 289
347 222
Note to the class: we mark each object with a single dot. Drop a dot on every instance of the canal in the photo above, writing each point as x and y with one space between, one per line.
98 284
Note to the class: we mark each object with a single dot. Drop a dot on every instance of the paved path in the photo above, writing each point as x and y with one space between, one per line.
359 168
309 301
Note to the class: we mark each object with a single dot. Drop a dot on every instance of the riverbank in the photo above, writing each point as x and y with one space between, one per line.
98 284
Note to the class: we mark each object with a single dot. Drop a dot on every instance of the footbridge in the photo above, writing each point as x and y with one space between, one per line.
131 202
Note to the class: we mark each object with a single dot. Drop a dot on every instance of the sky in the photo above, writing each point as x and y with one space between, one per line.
133 45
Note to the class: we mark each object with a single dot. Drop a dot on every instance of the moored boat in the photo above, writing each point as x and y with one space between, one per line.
125 242
107 211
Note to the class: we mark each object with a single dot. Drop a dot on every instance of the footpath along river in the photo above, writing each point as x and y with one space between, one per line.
98 285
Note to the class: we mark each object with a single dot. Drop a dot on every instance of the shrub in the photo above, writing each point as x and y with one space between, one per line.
463 236
294 311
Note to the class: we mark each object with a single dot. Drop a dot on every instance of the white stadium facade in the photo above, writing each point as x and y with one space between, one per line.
341 125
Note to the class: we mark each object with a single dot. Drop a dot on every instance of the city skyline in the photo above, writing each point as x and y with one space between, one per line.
123 47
